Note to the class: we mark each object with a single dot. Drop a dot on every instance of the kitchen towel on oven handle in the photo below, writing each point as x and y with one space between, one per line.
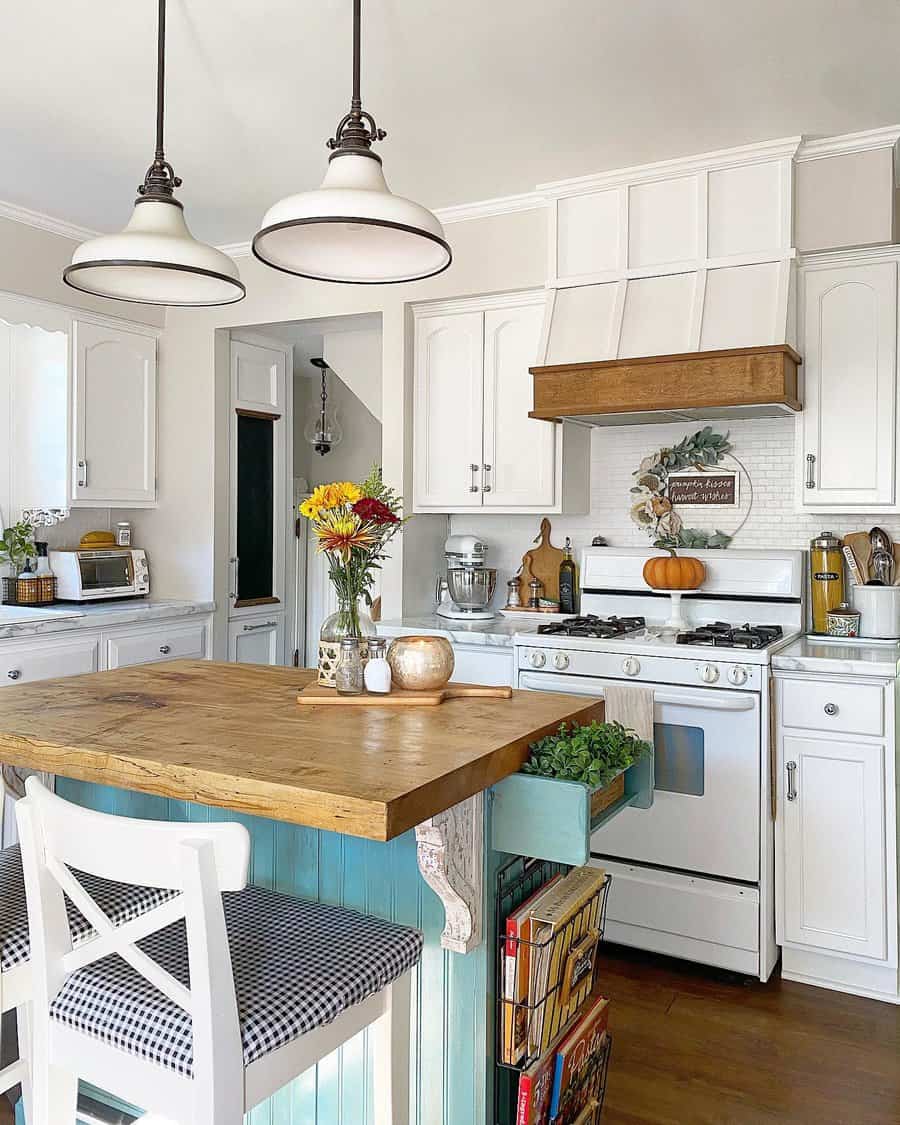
632 706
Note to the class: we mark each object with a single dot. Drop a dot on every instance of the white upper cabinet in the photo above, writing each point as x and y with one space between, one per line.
114 416
835 894
846 448
475 446
258 377
520 451
449 367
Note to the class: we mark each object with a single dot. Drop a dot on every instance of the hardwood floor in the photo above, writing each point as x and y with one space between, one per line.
693 1046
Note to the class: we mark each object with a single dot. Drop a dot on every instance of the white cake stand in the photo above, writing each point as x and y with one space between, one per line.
676 620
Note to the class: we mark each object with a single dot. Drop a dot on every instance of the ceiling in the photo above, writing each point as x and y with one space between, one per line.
481 98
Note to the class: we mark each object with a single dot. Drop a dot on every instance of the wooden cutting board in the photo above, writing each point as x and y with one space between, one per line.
314 694
544 564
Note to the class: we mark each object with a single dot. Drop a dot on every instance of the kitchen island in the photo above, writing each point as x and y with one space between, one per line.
346 805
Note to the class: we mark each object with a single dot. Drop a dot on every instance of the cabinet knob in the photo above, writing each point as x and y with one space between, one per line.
831 708
14 673
165 649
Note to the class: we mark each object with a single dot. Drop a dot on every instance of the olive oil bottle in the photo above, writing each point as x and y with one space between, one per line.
568 581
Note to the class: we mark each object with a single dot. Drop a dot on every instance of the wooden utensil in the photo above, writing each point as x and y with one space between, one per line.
545 560
313 694
858 542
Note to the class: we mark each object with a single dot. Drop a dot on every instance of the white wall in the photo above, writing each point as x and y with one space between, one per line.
764 445
356 357
490 255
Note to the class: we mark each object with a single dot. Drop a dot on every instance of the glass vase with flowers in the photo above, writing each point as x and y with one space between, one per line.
353 524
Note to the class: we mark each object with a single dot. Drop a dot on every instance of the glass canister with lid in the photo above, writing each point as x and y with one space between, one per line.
826 578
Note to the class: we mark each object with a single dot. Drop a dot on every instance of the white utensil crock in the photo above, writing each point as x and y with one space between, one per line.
879 610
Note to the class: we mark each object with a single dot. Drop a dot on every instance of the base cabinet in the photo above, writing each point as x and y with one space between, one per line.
23 662
256 640
175 641
836 837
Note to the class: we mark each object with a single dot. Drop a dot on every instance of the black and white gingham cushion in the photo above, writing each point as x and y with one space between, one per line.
297 965
120 902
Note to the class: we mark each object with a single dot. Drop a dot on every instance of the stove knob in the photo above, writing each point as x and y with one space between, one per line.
561 661
630 666
538 660
737 675
709 673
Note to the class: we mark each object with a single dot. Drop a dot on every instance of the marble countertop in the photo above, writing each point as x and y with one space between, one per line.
836 656
497 633
17 621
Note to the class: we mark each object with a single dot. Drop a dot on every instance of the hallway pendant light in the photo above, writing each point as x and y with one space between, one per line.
353 229
156 260
322 431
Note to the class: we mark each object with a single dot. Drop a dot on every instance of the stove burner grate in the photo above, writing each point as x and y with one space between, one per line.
719 634
592 626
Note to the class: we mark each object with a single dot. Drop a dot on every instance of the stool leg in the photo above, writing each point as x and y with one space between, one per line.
54 1093
390 1035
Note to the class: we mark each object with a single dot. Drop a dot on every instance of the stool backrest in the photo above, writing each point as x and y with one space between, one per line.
198 860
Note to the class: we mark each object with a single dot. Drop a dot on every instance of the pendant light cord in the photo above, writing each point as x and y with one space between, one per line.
357 130
160 180
356 100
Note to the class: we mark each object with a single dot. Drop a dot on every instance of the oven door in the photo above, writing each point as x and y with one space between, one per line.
705 816
106 574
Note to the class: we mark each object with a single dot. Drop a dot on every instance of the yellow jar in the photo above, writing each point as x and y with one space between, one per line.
826 578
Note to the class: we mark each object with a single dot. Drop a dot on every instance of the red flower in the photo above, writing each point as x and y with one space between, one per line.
373 511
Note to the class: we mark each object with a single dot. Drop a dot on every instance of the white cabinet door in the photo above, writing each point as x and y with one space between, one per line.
177 640
848 447
257 377
114 421
519 452
256 641
47 658
448 410
835 896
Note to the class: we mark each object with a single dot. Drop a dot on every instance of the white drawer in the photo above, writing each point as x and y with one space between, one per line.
830 706
477 664
178 641
45 660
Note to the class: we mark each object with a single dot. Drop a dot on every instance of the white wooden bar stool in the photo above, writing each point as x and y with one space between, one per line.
206 1005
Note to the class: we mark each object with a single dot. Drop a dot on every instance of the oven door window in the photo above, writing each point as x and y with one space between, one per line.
680 762
109 572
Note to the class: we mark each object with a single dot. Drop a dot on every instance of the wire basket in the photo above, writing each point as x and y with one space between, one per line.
44 591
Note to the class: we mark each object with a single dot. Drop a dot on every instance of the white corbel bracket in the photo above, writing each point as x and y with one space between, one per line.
450 848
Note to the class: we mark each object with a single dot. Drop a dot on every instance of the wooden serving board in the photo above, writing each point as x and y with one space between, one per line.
314 694
544 563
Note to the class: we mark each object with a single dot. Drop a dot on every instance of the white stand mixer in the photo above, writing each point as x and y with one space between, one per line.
465 594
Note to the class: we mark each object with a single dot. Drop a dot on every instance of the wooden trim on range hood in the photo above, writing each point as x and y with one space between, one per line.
737 377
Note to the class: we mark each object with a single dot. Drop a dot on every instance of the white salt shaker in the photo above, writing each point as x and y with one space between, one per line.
377 672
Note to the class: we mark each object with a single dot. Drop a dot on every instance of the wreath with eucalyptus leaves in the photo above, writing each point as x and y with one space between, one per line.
652 509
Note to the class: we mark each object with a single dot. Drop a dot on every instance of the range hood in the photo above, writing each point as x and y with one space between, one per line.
758 382
683 346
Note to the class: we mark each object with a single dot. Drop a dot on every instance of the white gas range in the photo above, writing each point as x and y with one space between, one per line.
693 874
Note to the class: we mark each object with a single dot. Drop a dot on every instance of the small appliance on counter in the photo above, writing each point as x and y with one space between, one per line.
465 594
96 574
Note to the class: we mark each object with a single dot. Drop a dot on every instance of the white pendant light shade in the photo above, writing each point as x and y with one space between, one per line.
352 229
155 260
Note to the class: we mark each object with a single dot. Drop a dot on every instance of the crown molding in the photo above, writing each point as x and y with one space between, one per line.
818 147
852 255
40 221
489 208
236 249
782 148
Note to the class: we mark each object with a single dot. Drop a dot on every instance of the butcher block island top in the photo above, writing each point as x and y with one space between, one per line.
233 735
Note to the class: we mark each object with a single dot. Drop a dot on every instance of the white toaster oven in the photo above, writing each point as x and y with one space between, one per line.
92 576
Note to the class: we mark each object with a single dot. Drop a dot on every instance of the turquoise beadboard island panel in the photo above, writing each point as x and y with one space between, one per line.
452 1040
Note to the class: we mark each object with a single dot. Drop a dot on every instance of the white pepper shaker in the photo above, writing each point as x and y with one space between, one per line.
377 672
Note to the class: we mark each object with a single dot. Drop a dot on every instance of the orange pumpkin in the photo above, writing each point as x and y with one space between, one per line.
674 573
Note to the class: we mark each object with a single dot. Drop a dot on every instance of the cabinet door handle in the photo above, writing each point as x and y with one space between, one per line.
810 470
486 487
831 708
82 474
473 469
792 781
165 649
235 565
14 673
262 625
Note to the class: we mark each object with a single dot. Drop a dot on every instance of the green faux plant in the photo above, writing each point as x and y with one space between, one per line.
593 754
17 545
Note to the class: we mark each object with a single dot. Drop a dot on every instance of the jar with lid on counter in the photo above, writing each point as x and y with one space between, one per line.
826 578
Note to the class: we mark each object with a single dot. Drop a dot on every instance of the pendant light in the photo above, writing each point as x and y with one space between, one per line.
353 229
322 431
156 260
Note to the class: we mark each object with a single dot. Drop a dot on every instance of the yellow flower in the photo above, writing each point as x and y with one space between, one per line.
340 532
328 496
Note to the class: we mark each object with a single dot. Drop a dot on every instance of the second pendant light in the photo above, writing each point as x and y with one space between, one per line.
353 229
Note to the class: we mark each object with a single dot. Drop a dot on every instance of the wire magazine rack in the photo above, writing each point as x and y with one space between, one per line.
550 1009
